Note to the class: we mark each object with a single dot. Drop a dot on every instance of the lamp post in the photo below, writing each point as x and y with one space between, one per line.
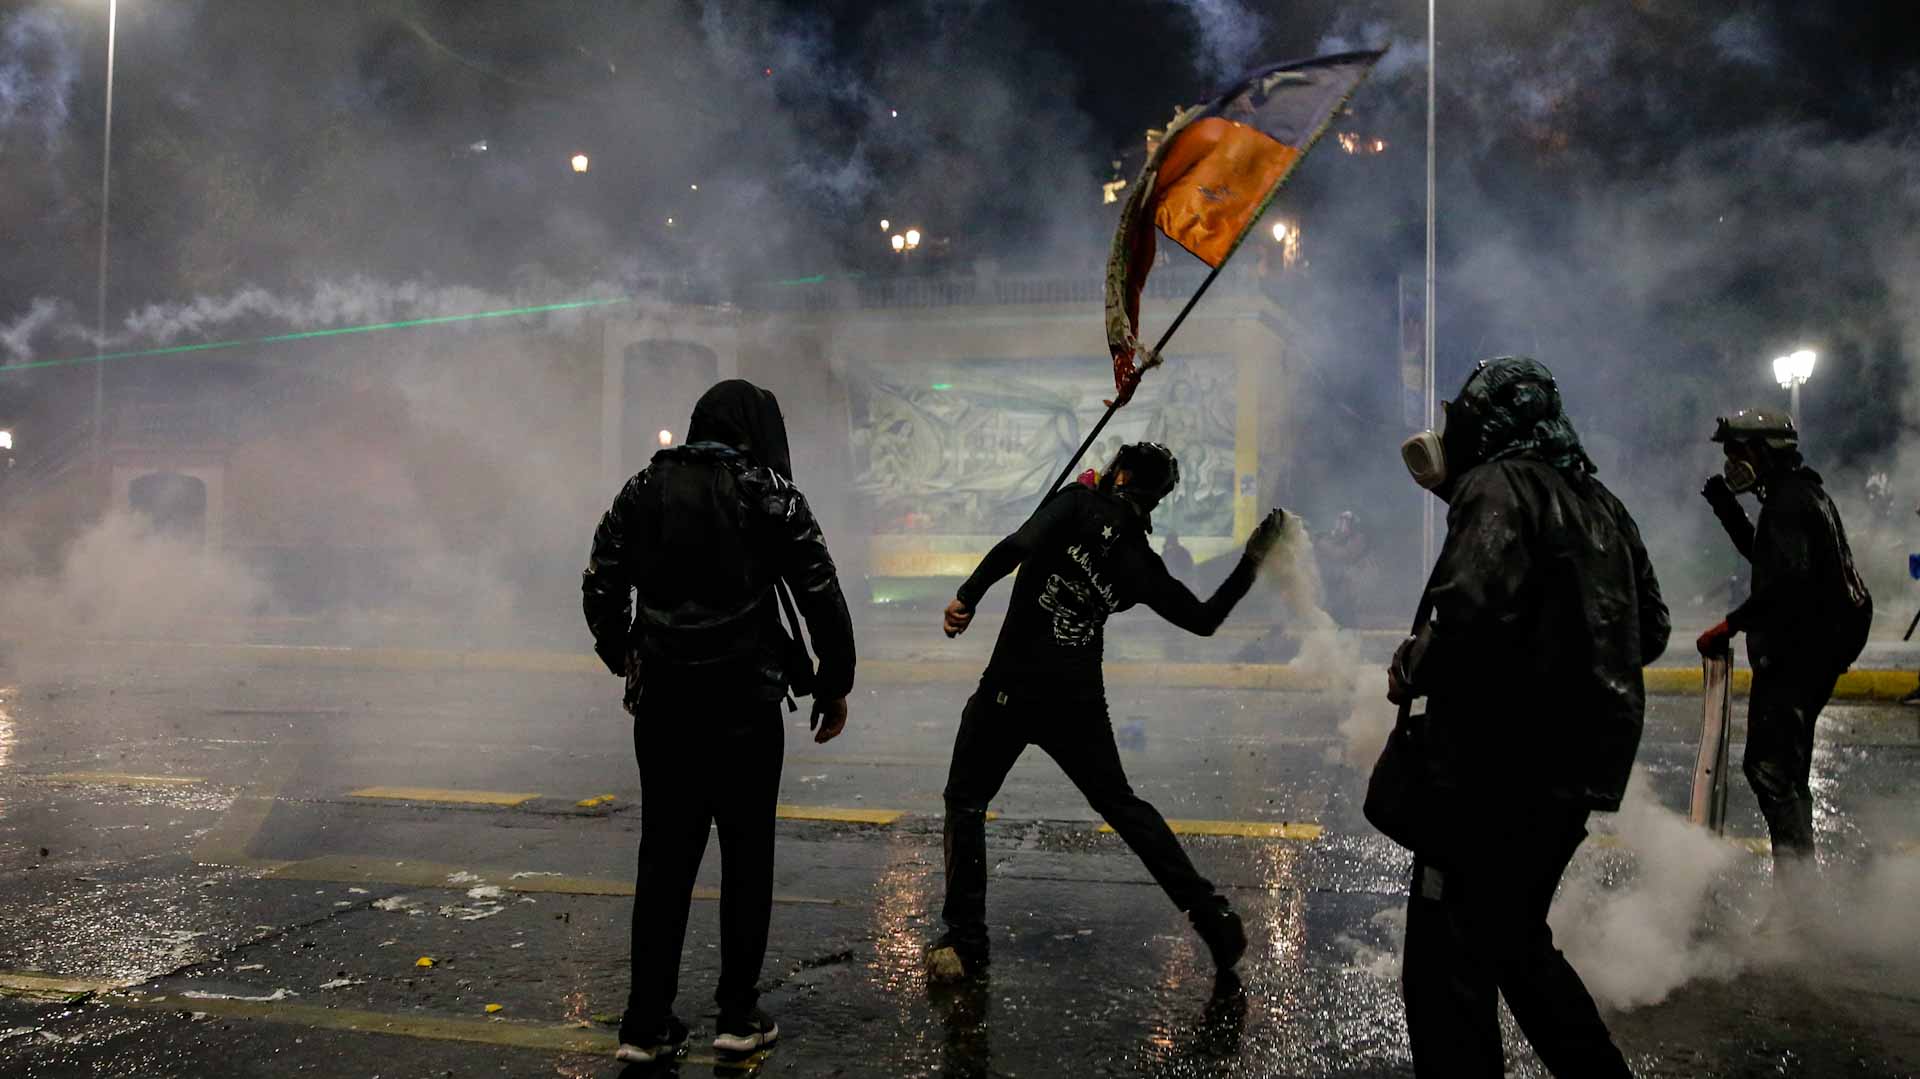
100 293
1427 541
1792 372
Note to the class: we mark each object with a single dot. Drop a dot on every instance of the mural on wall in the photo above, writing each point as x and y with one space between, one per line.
966 448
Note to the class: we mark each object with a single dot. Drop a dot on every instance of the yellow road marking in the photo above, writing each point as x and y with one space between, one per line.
1246 829
124 779
28 984
838 815
595 802
439 794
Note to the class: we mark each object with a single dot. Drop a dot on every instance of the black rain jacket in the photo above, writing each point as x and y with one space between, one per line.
1808 601
1544 610
679 589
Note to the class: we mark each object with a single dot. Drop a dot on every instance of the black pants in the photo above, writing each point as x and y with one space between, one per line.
1477 930
995 728
1785 703
705 759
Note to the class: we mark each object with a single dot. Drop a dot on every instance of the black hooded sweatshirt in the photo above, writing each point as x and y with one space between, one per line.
679 589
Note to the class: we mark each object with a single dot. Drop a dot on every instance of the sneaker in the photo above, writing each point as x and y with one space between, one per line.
1220 928
664 1042
954 959
745 1033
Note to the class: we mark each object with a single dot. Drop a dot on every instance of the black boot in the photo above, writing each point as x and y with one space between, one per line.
1220 927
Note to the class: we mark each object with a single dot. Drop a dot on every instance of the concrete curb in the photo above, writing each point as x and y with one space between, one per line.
1857 685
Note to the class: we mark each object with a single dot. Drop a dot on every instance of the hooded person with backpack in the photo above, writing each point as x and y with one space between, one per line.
682 593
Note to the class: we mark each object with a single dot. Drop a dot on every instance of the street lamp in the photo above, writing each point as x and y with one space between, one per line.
1792 372
666 438
913 239
100 293
899 242
580 162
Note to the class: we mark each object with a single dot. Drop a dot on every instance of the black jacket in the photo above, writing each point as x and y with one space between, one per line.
1544 610
1808 601
679 588
1082 556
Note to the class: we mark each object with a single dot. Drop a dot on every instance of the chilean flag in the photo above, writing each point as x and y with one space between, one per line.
1211 178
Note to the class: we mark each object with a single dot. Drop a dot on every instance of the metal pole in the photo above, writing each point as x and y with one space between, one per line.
1793 408
100 310
1426 534
1087 443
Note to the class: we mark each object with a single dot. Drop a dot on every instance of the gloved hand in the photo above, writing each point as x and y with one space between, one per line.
1717 493
1266 535
1717 641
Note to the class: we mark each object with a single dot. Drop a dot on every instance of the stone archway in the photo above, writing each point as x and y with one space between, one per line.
173 504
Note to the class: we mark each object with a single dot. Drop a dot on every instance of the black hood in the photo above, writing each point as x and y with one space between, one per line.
740 414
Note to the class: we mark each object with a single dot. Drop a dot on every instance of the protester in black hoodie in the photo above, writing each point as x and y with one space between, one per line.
679 594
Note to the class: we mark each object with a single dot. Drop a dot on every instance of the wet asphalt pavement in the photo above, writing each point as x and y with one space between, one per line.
189 886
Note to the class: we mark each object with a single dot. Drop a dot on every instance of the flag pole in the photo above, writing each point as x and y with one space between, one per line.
1087 444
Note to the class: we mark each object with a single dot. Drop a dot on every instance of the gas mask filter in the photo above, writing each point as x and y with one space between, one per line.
1740 476
1426 459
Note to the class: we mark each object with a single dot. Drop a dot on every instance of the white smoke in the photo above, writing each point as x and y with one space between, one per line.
1634 945
1229 34
17 336
123 579
38 68
1329 652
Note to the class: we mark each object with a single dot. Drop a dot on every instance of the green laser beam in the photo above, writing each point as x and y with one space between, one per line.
305 335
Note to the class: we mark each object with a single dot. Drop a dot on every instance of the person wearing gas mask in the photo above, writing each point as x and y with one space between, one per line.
1806 619
1538 617
1081 557
682 596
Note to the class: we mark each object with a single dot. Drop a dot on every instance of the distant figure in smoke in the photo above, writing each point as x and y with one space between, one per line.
1806 620
1544 609
1346 561
1179 560
700 538
1082 556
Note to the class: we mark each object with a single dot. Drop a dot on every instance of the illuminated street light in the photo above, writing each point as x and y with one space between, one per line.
6 440
899 242
666 438
913 239
580 162
1279 232
693 187
885 224
1792 372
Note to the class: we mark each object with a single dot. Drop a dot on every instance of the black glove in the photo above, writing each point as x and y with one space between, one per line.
1266 535
1717 493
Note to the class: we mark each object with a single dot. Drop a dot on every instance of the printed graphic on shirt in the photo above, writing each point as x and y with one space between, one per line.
1079 608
